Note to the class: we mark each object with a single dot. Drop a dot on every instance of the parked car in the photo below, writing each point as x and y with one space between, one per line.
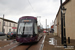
45 31
2 36
11 35
52 31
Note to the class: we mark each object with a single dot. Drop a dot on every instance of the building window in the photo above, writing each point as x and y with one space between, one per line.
9 30
4 30
10 24
4 23
13 30
14 25
55 24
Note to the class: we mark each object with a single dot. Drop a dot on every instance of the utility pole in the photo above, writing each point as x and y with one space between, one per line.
46 24
61 22
3 24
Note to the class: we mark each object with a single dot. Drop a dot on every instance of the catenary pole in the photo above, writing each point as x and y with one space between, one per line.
46 24
3 24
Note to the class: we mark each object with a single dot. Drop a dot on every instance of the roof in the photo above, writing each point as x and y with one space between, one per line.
8 20
66 1
29 17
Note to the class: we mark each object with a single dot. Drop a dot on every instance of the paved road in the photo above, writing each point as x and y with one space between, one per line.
36 46
18 46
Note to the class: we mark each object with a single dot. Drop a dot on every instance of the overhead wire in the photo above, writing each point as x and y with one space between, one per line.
31 5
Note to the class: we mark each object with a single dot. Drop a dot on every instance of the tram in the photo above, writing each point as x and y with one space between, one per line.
27 30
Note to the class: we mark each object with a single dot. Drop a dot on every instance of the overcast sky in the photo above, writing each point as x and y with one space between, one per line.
14 9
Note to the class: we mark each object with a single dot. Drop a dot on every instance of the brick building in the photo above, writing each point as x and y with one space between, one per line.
69 19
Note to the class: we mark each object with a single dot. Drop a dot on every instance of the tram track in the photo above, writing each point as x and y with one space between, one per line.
28 47
15 46
21 46
13 41
25 46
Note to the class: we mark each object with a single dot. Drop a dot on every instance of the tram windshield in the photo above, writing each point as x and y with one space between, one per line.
25 28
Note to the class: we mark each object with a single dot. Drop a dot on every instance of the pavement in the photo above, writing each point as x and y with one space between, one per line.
54 43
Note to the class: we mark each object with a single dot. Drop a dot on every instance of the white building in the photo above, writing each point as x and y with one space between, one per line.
9 26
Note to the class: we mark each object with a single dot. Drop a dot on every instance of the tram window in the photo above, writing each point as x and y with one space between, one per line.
35 26
20 30
25 28
28 28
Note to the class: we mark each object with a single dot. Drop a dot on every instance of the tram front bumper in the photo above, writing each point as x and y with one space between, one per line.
27 40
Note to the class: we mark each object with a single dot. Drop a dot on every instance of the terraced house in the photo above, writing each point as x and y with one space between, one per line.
9 25
69 19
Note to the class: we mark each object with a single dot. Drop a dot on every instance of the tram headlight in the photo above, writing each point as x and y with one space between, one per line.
31 36
19 36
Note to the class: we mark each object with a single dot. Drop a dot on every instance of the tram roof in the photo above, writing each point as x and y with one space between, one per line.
30 17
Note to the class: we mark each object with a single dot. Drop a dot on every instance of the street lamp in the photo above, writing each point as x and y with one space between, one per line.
63 10
39 19
64 32
61 22
63 35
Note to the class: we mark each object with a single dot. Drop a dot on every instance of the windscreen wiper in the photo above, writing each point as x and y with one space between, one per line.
23 30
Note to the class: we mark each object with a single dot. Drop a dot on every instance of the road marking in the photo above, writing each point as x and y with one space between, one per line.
44 39
42 45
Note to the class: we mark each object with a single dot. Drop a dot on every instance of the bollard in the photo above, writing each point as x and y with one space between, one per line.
68 40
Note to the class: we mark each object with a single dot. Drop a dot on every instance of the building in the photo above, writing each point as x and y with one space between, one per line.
69 19
52 29
55 26
9 26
